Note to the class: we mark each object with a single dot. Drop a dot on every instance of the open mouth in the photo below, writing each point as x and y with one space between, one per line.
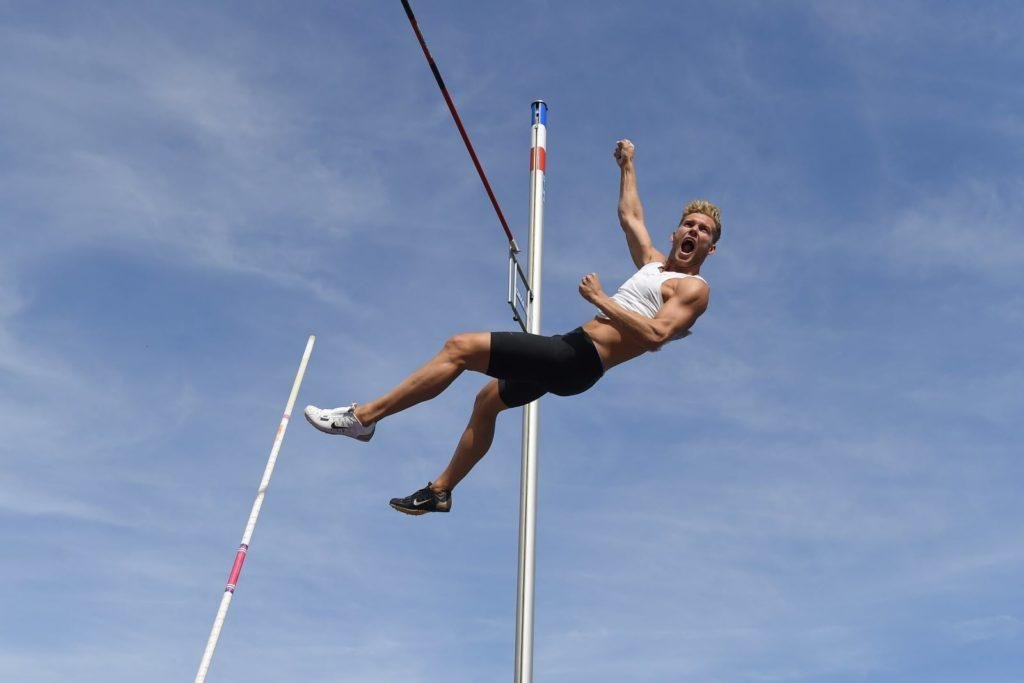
687 246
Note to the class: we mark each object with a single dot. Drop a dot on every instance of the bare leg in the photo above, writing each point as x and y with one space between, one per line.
469 351
476 440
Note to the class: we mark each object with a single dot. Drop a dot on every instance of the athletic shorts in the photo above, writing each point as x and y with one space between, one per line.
528 366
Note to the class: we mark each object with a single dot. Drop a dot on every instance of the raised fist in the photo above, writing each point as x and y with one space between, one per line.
624 151
590 287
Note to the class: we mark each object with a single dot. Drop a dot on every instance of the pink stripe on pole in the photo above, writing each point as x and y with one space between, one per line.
236 568
541 156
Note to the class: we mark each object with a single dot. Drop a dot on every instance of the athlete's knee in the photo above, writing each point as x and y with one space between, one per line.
466 348
458 348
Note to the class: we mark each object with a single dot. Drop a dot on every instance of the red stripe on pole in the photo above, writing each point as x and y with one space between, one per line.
541 156
236 568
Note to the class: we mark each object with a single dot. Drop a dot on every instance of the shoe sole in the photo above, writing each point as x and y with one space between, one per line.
404 511
414 513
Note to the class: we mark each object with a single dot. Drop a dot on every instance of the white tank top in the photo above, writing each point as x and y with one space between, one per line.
642 292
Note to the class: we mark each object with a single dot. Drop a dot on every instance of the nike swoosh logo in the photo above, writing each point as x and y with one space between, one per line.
417 503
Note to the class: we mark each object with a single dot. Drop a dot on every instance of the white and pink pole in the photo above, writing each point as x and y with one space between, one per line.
236 567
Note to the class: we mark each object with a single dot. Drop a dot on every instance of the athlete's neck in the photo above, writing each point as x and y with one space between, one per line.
676 267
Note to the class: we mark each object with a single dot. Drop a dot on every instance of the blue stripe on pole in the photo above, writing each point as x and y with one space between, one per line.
539 112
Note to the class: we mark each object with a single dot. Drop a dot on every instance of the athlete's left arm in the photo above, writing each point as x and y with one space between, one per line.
680 311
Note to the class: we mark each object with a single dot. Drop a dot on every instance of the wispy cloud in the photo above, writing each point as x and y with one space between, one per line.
205 163
973 228
996 627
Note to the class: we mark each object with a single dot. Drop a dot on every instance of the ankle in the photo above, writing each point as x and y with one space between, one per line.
365 416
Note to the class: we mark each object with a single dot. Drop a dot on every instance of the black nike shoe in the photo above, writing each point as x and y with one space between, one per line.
424 501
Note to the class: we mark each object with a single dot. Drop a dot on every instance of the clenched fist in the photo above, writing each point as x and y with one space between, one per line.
624 150
590 287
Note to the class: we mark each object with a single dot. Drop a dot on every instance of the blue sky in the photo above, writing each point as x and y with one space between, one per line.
820 484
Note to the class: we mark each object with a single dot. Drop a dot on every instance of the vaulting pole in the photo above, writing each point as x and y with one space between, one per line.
236 567
531 412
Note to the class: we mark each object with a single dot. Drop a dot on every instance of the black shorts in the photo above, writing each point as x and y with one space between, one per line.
528 366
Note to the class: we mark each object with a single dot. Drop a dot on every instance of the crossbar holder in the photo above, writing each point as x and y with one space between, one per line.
518 299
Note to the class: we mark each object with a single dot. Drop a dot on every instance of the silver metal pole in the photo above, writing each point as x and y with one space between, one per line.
531 412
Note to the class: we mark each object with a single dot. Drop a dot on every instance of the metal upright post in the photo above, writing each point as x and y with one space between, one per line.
528 483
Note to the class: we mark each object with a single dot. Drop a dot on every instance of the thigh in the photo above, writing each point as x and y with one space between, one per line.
514 393
524 357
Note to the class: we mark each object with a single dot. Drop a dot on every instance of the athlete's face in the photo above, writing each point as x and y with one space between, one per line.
692 240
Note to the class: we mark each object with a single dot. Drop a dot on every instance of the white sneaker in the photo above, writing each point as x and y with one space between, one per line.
339 421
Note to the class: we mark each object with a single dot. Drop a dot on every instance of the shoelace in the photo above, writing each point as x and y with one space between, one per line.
333 419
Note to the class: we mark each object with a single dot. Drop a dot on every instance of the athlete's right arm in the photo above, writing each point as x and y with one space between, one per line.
631 211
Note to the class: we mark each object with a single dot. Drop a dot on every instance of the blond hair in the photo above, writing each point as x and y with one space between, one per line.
708 209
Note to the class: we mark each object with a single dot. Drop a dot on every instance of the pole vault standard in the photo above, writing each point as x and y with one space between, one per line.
525 311
236 568
531 413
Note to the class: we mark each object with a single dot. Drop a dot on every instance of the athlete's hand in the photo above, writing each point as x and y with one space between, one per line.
590 287
624 150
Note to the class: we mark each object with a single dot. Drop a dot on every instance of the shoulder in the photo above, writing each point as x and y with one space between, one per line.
690 290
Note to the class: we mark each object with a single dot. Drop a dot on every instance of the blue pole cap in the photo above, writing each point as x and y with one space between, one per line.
539 113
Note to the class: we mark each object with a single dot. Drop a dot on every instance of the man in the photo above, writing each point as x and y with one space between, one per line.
658 304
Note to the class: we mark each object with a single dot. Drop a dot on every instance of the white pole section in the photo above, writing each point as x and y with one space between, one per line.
531 412
236 568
